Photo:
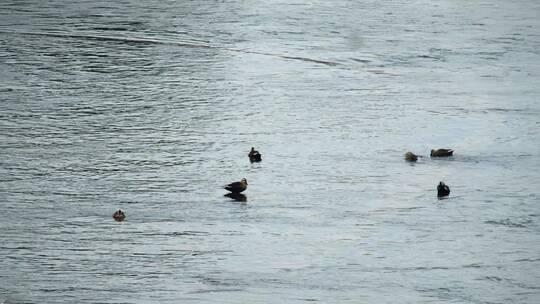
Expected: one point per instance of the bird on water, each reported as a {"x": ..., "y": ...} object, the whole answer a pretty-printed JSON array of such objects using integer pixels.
[
  {"x": 237, "y": 187},
  {"x": 443, "y": 190},
  {"x": 409, "y": 156},
  {"x": 254, "y": 155},
  {"x": 441, "y": 152},
  {"x": 119, "y": 215}
]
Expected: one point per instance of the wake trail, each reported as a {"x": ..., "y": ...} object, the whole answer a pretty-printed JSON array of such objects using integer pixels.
[{"x": 181, "y": 43}]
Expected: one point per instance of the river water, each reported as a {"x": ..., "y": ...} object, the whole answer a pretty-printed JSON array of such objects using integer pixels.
[{"x": 152, "y": 106}]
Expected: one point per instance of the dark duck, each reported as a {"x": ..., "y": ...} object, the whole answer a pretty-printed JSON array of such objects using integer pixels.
[
  {"x": 442, "y": 190},
  {"x": 119, "y": 216},
  {"x": 411, "y": 157},
  {"x": 254, "y": 155},
  {"x": 237, "y": 187},
  {"x": 441, "y": 152}
]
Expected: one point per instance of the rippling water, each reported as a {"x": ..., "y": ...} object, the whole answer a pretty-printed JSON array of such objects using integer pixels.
[{"x": 151, "y": 106}]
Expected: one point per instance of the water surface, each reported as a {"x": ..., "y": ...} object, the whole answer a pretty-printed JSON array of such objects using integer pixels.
[{"x": 152, "y": 106}]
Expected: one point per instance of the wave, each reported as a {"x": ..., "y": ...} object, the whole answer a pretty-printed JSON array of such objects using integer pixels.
[{"x": 181, "y": 43}]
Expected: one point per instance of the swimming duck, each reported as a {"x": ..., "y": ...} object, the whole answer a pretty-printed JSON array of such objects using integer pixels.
[
  {"x": 441, "y": 152},
  {"x": 442, "y": 190},
  {"x": 254, "y": 155},
  {"x": 119, "y": 216},
  {"x": 409, "y": 156},
  {"x": 237, "y": 187}
]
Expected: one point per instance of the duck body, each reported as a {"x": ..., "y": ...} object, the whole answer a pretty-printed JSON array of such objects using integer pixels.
[
  {"x": 442, "y": 190},
  {"x": 409, "y": 156},
  {"x": 237, "y": 187},
  {"x": 254, "y": 155},
  {"x": 442, "y": 152},
  {"x": 119, "y": 216}
]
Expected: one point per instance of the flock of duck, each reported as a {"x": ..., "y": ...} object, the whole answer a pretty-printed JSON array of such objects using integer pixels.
[
  {"x": 442, "y": 189},
  {"x": 236, "y": 188}
]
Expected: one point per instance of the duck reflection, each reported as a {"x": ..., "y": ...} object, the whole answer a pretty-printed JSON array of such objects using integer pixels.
[{"x": 239, "y": 197}]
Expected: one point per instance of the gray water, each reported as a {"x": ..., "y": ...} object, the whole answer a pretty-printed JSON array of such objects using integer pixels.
[{"x": 152, "y": 106}]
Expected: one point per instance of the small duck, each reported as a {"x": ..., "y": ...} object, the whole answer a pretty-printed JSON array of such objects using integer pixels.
[
  {"x": 441, "y": 152},
  {"x": 409, "y": 156},
  {"x": 237, "y": 187},
  {"x": 442, "y": 190},
  {"x": 254, "y": 155},
  {"x": 119, "y": 215}
]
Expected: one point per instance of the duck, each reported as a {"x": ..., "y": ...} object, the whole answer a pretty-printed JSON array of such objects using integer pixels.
[
  {"x": 442, "y": 190},
  {"x": 409, "y": 156},
  {"x": 254, "y": 155},
  {"x": 441, "y": 152},
  {"x": 119, "y": 215},
  {"x": 237, "y": 187}
]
